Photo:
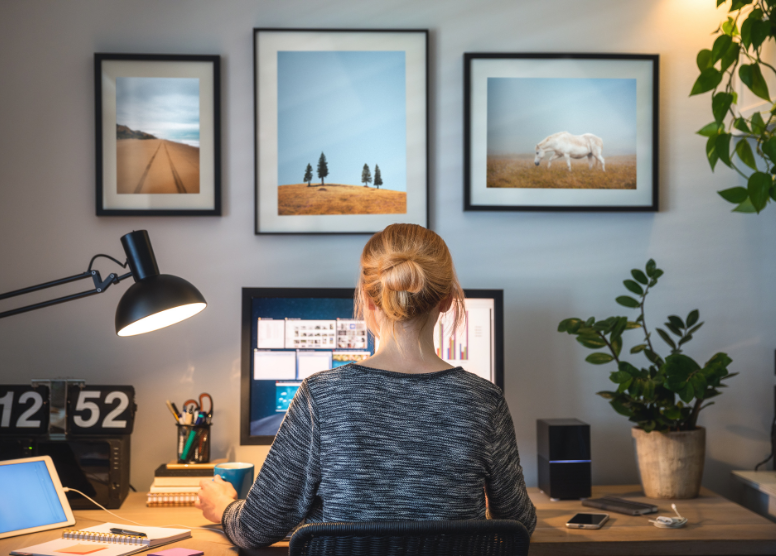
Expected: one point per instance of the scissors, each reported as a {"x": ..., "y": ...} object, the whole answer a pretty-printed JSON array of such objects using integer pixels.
[{"x": 200, "y": 406}]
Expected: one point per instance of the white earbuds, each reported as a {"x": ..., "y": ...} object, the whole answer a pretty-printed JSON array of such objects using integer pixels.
[{"x": 670, "y": 522}]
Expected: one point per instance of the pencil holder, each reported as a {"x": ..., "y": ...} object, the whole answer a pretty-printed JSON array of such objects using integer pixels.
[{"x": 193, "y": 443}]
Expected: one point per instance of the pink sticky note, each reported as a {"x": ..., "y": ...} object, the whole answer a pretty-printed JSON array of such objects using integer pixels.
[
  {"x": 82, "y": 549},
  {"x": 178, "y": 552}
]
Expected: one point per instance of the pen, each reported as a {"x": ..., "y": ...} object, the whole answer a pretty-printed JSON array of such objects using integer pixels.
[
  {"x": 171, "y": 407},
  {"x": 127, "y": 532}
]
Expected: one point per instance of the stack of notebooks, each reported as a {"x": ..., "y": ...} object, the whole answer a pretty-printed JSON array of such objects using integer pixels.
[
  {"x": 178, "y": 484},
  {"x": 100, "y": 541}
]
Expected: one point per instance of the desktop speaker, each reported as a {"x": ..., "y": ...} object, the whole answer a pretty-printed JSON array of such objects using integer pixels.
[{"x": 564, "y": 458}]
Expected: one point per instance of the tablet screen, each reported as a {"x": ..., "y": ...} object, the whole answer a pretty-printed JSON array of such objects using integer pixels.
[{"x": 29, "y": 497}]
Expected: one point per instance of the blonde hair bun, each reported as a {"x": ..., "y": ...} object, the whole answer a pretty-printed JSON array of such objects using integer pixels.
[
  {"x": 400, "y": 272},
  {"x": 407, "y": 271}
]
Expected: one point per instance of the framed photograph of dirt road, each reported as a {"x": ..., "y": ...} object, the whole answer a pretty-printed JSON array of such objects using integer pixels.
[
  {"x": 560, "y": 132},
  {"x": 158, "y": 135},
  {"x": 341, "y": 130}
]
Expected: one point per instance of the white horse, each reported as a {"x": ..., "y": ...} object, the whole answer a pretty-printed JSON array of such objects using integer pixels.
[{"x": 564, "y": 144}]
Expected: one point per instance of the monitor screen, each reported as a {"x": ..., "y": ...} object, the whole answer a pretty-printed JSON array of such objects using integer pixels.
[{"x": 290, "y": 333}]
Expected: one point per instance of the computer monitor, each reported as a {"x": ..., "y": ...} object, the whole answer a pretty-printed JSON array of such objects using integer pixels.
[{"x": 290, "y": 333}]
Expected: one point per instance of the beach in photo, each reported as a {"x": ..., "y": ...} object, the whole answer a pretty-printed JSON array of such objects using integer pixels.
[{"x": 157, "y": 135}]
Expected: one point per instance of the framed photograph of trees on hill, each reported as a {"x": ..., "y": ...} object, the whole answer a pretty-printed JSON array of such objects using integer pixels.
[
  {"x": 560, "y": 132},
  {"x": 341, "y": 130},
  {"x": 158, "y": 135}
]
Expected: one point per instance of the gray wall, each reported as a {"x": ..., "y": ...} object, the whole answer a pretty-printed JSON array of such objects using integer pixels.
[{"x": 551, "y": 266}]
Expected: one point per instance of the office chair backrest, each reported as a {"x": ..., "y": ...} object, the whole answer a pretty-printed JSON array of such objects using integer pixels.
[{"x": 493, "y": 537}]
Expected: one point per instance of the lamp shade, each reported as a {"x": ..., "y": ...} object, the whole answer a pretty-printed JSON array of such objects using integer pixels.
[{"x": 156, "y": 302}]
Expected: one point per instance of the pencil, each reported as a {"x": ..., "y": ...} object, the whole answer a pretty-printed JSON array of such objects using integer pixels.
[{"x": 174, "y": 413}]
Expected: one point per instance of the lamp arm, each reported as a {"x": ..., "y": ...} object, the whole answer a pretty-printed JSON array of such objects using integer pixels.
[{"x": 100, "y": 286}]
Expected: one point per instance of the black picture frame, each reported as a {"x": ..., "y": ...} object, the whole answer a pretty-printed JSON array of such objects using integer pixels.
[
  {"x": 481, "y": 96},
  {"x": 275, "y": 211},
  {"x": 182, "y": 182}
]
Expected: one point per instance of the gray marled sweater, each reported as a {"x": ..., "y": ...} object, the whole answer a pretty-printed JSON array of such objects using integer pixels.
[{"x": 361, "y": 444}]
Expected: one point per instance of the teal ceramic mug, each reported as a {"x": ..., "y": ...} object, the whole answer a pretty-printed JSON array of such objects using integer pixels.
[{"x": 239, "y": 474}]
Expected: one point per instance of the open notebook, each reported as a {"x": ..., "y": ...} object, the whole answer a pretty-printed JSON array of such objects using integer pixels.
[{"x": 98, "y": 541}]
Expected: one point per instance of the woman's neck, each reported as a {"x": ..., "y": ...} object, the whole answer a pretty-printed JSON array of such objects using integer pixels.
[{"x": 408, "y": 348}]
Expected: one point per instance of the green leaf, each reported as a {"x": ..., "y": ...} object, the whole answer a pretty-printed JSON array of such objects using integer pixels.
[
  {"x": 620, "y": 408},
  {"x": 752, "y": 77},
  {"x": 728, "y": 59},
  {"x": 707, "y": 81},
  {"x": 638, "y": 348},
  {"x": 685, "y": 339},
  {"x": 740, "y": 124},
  {"x": 758, "y": 125},
  {"x": 599, "y": 358},
  {"x": 703, "y": 59},
  {"x": 721, "y": 45},
  {"x": 746, "y": 207},
  {"x": 627, "y": 301},
  {"x": 759, "y": 188},
  {"x": 692, "y": 317},
  {"x": 720, "y": 104},
  {"x": 676, "y": 321},
  {"x": 652, "y": 356},
  {"x": 617, "y": 345},
  {"x": 760, "y": 30},
  {"x": 746, "y": 33},
  {"x": 711, "y": 130},
  {"x": 687, "y": 393},
  {"x": 711, "y": 151},
  {"x": 591, "y": 342},
  {"x": 607, "y": 394},
  {"x": 666, "y": 338},
  {"x": 673, "y": 329},
  {"x": 744, "y": 152},
  {"x": 639, "y": 276},
  {"x": 651, "y": 267},
  {"x": 769, "y": 147},
  {"x": 633, "y": 287},
  {"x": 734, "y": 194},
  {"x": 729, "y": 27},
  {"x": 632, "y": 325},
  {"x": 723, "y": 147},
  {"x": 695, "y": 328}
]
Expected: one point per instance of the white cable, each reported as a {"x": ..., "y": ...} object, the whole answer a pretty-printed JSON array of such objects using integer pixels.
[{"x": 67, "y": 489}]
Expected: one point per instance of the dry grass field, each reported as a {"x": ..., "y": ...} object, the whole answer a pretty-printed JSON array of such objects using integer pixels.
[
  {"x": 519, "y": 171},
  {"x": 333, "y": 198},
  {"x": 156, "y": 166}
]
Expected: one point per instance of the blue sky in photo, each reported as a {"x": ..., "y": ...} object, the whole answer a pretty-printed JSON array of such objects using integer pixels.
[
  {"x": 523, "y": 111},
  {"x": 167, "y": 107},
  {"x": 350, "y": 106}
]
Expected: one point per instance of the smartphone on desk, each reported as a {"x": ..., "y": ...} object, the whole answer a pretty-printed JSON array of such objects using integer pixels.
[{"x": 587, "y": 521}]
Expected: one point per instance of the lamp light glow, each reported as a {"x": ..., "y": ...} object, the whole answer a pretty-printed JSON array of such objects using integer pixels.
[{"x": 161, "y": 319}]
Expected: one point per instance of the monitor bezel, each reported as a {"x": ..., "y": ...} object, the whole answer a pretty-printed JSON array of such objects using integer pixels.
[{"x": 246, "y": 439}]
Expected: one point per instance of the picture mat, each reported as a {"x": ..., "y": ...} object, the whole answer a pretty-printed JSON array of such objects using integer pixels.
[
  {"x": 482, "y": 69},
  {"x": 268, "y": 44},
  {"x": 205, "y": 199}
]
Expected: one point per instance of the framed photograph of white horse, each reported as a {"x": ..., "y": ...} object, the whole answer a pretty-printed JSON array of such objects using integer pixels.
[
  {"x": 560, "y": 132},
  {"x": 341, "y": 130},
  {"x": 158, "y": 135}
]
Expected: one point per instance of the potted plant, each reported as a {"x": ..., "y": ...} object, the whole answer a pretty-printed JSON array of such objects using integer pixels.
[
  {"x": 664, "y": 397},
  {"x": 738, "y": 133}
]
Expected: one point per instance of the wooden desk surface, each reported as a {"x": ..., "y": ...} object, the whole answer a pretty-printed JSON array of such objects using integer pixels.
[{"x": 716, "y": 527}]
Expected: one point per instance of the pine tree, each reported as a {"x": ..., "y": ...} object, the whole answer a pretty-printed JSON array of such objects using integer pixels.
[
  {"x": 323, "y": 167},
  {"x": 378, "y": 177},
  {"x": 366, "y": 176},
  {"x": 308, "y": 174}
]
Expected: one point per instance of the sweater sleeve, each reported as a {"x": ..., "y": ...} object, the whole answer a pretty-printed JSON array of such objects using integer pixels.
[
  {"x": 505, "y": 485},
  {"x": 286, "y": 486}
]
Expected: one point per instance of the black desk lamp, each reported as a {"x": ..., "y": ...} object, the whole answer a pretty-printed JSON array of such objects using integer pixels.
[{"x": 154, "y": 301}]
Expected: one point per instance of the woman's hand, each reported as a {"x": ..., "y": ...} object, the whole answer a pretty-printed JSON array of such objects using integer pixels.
[{"x": 215, "y": 496}]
